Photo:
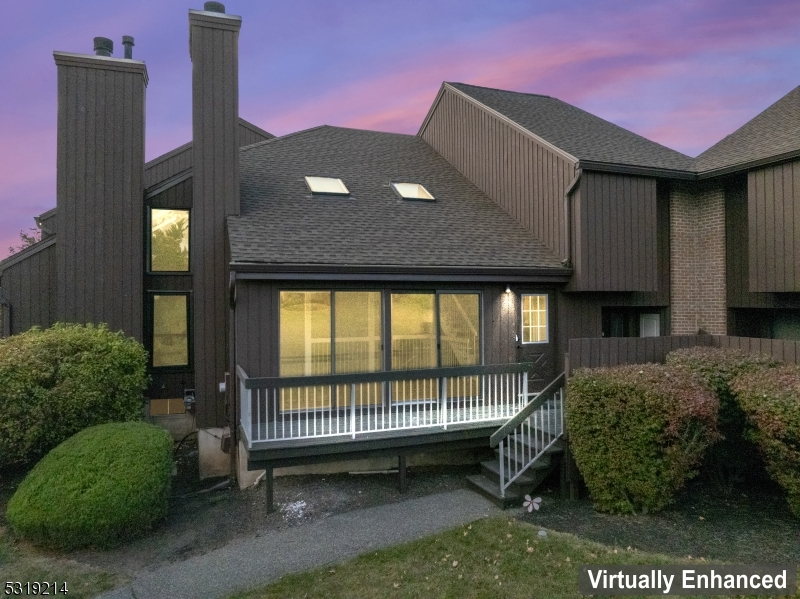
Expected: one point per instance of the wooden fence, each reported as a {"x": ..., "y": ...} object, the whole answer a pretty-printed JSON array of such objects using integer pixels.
[{"x": 614, "y": 351}]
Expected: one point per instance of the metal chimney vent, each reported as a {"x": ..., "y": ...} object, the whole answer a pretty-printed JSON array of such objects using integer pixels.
[
  {"x": 103, "y": 46},
  {"x": 214, "y": 7},
  {"x": 127, "y": 41}
]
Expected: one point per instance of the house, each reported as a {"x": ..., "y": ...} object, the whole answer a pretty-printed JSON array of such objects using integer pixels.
[{"x": 335, "y": 293}]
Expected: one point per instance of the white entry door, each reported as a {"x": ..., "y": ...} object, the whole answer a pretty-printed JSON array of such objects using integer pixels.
[{"x": 649, "y": 325}]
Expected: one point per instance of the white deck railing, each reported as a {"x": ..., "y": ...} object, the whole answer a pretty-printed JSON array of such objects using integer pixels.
[
  {"x": 286, "y": 408},
  {"x": 528, "y": 436}
]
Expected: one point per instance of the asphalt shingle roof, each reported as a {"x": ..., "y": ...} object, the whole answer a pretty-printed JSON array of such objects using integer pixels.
[
  {"x": 577, "y": 132},
  {"x": 774, "y": 132},
  {"x": 282, "y": 223}
]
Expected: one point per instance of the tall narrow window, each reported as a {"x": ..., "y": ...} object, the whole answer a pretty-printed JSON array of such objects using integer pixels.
[
  {"x": 413, "y": 331},
  {"x": 305, "y": 333},
  {"x": 459, "y": 324},
  {"x": 169, "y": 240},
  {"x": 358, "y": 343},
  {"x": 534, "y": 319},
  {"x": 170, "y": 330}
]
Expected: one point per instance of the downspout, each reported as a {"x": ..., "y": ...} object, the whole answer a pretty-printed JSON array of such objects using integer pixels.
[{"x": 567, "y": 261}]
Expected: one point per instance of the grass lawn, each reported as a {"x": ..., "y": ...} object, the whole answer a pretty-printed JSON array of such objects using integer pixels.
[
  {"x": 21, "y": 563},
  {"x": 497, "y": 557}
]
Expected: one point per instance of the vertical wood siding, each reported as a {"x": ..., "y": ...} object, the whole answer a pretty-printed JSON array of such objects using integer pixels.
[
  {"x": 180, "y": 159},
  {"x": 773, "y": 207},
  {"x": 615, "y": 230},
  {"x": 100, "y": 169},
  {"x": 215, "y": 180},
  {"x": 29, "y": 286},
  {"x": 178, "y": 197},
  {"x": 527, "y": 179}
]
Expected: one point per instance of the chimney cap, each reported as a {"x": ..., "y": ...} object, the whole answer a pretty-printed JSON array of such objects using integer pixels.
[
  {"x": 214, "y": 7},
  {"x": 127, "y": 41},
  {"x": 103, "y": 46}
]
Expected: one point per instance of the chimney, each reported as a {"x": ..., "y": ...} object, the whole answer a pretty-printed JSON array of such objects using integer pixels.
[
  {"x": 214, "y": 50},
  {"x": 127, "y": 41},
  {"x": 99, "y": 188},
  {"x": 103, "y": 46}
]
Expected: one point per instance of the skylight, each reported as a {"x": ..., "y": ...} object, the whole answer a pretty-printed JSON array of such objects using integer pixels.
[
  {"x": 412, "y": 191},
  {"x": 328, "y": 185}
]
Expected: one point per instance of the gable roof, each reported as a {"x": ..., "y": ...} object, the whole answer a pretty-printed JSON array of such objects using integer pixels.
[
  {"x": 772, "y": 134},
  {"x": 581, "y": 134},
  {"x": 282, "y": 223}
]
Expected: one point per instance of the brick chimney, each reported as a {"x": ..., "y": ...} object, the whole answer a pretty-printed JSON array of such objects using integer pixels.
[
  {"x": 100, "y": 172},
  {"x": 214, "y": 50}
]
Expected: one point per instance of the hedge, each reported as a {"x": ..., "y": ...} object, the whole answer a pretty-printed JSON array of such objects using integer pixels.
[
  {"x": 771, "y": 400},
  {"x": 638, "y": 433},
  {"x": 106, "y": 484},
  {"x": 734, "y": 457},
  {"x": 57, "y": 381}
]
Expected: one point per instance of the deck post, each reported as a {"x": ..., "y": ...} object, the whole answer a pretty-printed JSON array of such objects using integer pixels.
[
  {"x": 269, "y": 489},
  {"x": 444, "y": 401},
  {"x": 353, "y": 410},
  {"x": 401, "y": 472}
]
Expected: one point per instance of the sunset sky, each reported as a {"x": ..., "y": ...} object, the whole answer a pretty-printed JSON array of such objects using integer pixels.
[{"x": 683, "y": 73}]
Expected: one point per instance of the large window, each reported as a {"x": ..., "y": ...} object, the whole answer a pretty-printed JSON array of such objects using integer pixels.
[
  {"x": 170, "y": 330},
  {"x": 534, "y": 319},
  {"x": 309, "y": 320},
  {"x": 169, "y": 240}
]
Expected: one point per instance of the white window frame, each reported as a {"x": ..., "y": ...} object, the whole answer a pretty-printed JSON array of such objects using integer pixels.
[{"x": 546, "y": 318}]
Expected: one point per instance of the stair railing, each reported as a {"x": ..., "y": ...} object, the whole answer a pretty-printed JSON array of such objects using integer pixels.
[{"x": 531, "y": 433}]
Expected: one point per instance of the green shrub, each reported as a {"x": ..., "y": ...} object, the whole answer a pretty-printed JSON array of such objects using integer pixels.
[
  {"x": 57, "y": 381},
  {"x": 104, "y": 485},
  {"x": 734, "y": 457},
  {"x": 638, "y": 433},
  {"x": 771, "y": 400}
]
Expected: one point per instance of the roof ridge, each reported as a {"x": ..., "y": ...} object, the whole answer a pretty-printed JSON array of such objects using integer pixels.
[
  {"x": 505, "y": 91},
  {"x": 280, "y": 138}
]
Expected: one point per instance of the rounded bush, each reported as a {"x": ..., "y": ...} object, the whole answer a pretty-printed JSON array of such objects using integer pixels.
[
  {"x": 106, "y": 484},
  {"x": 638, "y": 433},
  {"x": 58, "y": 381},
  {"x": 771, "y": 400},
  {"x": 734, "y": 458}
]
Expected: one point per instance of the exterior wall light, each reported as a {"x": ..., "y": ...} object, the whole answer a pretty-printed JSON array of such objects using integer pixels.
[{"x": 508, "y": 288}]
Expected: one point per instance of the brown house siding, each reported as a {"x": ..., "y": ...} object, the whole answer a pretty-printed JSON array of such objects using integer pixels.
[
  {"x": 214, "y": 40},
  {"x": 697, "y": 262},
  {"x": 525, "y": 177},
  {"x": 773, "y": 195},
  {"x": 100, "y": 168},
  {"x": 29, "y": 287},
  {"x": 615, "y": 231}
]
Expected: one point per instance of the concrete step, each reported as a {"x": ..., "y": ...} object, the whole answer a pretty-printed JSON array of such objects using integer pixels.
[{"x": 491, "y": 490}]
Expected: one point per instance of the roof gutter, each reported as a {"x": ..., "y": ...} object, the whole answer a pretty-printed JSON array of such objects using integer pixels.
[
  {"x": 328, "y": 272},
  {"x": 567, "y": 261}
]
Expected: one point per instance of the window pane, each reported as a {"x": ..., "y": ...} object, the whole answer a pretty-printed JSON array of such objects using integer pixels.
[
  {"x": 358, "y": 331},
  {"x": 357, "y": 321},
  {"x": 413, "y": 331},
  {"x": 305, "y": 346},
  {"x": 305, "y": 333},
  {"x": 170, "y": 330},
  {"x": 534, "y": 318},
  {"x": 169, "y": 240},
  {"x": 459, "y": 321}
]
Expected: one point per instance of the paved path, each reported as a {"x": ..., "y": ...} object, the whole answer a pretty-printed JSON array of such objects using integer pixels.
[{"x": 246, "y": 563}]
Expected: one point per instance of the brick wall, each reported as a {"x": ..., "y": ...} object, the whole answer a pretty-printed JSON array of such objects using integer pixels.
[{"x": 697, "y": 260}]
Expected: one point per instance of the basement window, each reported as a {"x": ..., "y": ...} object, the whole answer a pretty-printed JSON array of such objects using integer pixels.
[
  {"x": 412, "y": 191},
  {"x": 327, "y": 185}
]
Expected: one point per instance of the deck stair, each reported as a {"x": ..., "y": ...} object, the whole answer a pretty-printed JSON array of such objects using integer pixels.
[{"x": 527, "y": 449}]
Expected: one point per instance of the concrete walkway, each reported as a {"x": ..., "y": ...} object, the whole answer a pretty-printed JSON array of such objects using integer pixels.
[{"x": 247, "y": 563}]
